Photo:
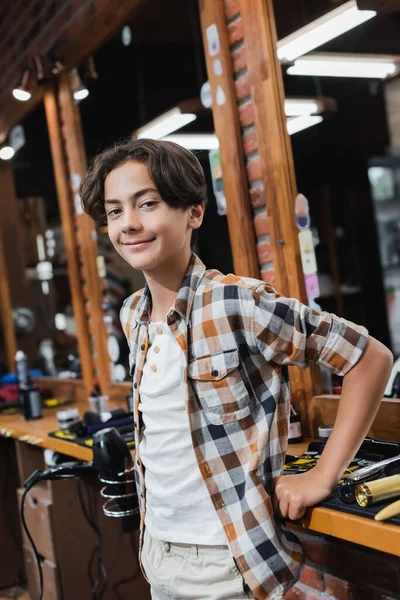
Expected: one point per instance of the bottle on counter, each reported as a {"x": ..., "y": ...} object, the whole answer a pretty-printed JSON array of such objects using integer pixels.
[
  {"x": 98, "y": 403},
  {"x": 295, "y": 429},
  {"x": 29, "y": 394}
]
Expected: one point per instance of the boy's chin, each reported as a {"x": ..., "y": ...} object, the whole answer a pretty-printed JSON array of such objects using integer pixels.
[{"x": 143, "y": 263}]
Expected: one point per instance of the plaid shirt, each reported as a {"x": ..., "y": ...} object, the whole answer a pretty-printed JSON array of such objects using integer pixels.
[{"x": 237, "y": 336}]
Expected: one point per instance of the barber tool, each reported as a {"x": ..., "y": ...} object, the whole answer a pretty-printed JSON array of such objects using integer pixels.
[
  {"x": 98, "y": 402},
  {"x": 67, "y": 417},
  {"x": 95, "y": 418},
  {"x": 324, "y": 431},
  {"x": 29, "y": 394},
  {"x": 378, "y": 490},
  {"x": 372, "y": 469},
  {"x": 388, "y": 512},
  {"x": 112, "y": 462}
]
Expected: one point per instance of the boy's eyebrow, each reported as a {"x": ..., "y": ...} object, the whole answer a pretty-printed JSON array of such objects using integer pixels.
[{"x": 134, "y": 196}]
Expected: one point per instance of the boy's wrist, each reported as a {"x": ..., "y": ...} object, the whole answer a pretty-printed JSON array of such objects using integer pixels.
[{"x": 327, "y": 475}]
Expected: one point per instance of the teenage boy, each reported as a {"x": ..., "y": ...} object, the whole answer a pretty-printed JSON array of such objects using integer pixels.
[{"x": 209, "y": 355}]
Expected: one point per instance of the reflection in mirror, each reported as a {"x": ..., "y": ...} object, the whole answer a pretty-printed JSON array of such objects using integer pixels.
[
  {"x": 44, "y": 256},
  {"x": 145, "y": 71},
  {"x": 346, "y": 167}
]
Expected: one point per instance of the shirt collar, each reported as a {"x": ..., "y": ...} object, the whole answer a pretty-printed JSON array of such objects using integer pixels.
[{"x": 184, "y": 300}]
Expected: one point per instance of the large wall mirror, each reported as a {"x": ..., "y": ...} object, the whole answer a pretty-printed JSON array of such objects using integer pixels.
[
  {"x": 142, "y": 73},
  {"x": 42, "y": 259}
]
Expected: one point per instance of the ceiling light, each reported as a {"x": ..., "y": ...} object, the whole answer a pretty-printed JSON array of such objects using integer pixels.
[
  {"x": 346, "y": 65},
  {"x": 165, "y": 124},
  {"x": 6, "y": 152},
  {"x": 297, "y": 107},
  {"x": 322, "y": 30},
  {"x": 209, "y": 141},
  {"x": 79, "y": 90},
  {"x": 195, "y": 141},
  {"x": 22, "y": 92},
  {"x": 296, "y": 124}
]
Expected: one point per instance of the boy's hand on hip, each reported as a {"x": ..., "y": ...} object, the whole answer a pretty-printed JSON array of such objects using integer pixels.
[{"x": 295, "y": 493}]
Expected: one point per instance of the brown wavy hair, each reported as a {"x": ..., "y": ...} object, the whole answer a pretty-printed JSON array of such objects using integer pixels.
[{"x": 175, "y": 171}]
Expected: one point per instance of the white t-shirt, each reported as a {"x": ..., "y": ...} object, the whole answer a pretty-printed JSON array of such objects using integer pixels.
[{"x": 178, "y": 506}]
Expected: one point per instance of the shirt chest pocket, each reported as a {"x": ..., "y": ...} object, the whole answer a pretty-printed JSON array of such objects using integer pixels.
[{"x": 218, "y": 383}]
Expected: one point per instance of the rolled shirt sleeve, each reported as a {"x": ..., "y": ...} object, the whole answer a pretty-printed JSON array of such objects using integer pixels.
[{"x": 288, "y": 332}]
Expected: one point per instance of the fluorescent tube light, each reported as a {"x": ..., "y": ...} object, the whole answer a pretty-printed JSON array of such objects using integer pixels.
[
  {"x": 6, "y": 152},
  {"x": 322, "y": 30},
  {"x": 195, "y": 141},
  {"x": 297, "y": 107},
  {"x": 297, "y": 124},
  {"x": 165, "y": 124},
  {"x": 345, "y": 65},
  {"x": 209, "y": 141}
]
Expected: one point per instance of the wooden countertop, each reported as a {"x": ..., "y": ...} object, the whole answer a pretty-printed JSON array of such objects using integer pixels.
[
  {"x": 359, "y": 530},
  {"x": 36, "y": 432}
]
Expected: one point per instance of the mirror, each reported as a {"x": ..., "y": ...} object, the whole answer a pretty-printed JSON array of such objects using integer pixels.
[
  {"x": 43, "y": 258},
  {"x": 143, "y": 72}
]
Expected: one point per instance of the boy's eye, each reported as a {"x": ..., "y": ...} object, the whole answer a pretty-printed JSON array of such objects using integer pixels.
[
  {"x": 113, "y": 212},
  {"x": 148, "y": 204}
]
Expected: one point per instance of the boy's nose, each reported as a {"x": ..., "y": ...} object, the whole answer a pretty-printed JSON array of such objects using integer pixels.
[{"x": 131, "y": 221}]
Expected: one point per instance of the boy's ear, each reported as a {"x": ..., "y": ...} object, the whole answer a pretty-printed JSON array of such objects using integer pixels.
[{"x": 196, "y": 215}]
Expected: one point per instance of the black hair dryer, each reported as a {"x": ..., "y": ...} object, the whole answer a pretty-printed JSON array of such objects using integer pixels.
[{"x": 112, "y": 462}]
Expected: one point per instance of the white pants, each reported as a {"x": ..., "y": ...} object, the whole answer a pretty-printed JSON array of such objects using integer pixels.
[{"x": 191, "y": 572}]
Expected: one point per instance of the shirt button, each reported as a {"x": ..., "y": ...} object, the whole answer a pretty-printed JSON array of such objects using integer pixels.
[
  {"x": 135, "y": 386},
  {"x": 156, "y": 349},
  {"x": 214, "y": 373},
  {"x": 153, "y": 368},
  {"x": 142, "y": 347},
  {"x": 159, "y": 331}
]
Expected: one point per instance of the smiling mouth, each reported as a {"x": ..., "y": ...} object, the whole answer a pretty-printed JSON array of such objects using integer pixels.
[{"x": 137, "y": 244}]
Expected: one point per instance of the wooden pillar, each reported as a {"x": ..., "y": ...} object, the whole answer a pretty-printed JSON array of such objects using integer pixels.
[
  {"x": 86, "y": 231},
  {"x": 68, "y": 227},
  {"x": 227, "y": 128},
  {"x": 277, "y": 169},
  {"x": 244, "y": 34},
  {"x": 6, "y": 320}
]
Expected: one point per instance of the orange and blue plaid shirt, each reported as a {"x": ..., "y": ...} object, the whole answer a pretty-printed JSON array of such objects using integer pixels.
[{"x": 237, "y": 337}]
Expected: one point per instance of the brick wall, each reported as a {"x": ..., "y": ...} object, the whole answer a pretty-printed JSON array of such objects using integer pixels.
[
  {"x": 249, "y": 137},
  {"x": 338, "y": 570}
]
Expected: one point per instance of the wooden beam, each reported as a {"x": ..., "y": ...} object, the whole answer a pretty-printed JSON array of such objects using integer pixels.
[
  {"x": 277, "y": 168},
  {"x": 6, "y": 319},
  {"x": 83, "y": 37},
  {"x": 77, "y": 166},
  {"x": 227, "y": 128},
  {"x": 68, "y": 227}
]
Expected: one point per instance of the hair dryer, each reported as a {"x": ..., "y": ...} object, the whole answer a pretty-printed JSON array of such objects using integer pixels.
[{"x": 112, "y": 462}]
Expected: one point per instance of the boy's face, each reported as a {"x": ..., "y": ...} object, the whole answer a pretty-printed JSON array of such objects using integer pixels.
[{"x": 144, "y": 229}]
